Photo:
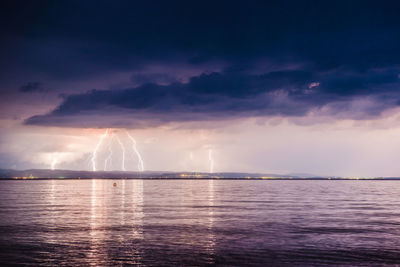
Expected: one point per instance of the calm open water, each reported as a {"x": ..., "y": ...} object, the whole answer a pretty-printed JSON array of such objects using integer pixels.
[{"x": 199, "y": 222}]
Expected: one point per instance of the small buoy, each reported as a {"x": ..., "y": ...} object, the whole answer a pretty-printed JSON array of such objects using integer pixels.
[{"x": 115, "y": 184}]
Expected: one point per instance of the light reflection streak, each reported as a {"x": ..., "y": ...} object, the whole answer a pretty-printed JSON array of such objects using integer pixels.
[
  {"x": 137, "y": 206},
  {"x": 92, "y": 253},
  {"x": 52, "y": 194},
  {"x": 137, "y": 220},
  {"x": 210, "y": 247},
  {"x": 119, "y": 221},
  {"x": 52, "y": 222},
  {"x": 96, "y": 254}
]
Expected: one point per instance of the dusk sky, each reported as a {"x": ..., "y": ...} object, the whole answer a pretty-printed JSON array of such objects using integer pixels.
[{"x": 253, "y": 86}]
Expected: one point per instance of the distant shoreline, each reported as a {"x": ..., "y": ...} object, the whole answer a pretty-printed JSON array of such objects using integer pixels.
[
  {"x": 206, "y": 178},
  {"x": 45, "y": 174}
]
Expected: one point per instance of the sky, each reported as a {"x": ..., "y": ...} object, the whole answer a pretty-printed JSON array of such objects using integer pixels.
[{"x": 280, "y": 87}]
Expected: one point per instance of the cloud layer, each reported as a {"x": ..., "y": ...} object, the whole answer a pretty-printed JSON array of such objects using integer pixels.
[
  {"x": 232, "y": 94},
  {"x": 215, "y": 60}
]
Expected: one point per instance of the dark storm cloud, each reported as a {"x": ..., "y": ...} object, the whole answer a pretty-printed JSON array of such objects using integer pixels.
[
  {"x": 65, "y": 37},
  {"x": 272, "y": 52},
  {"x": 228, "y": 95},
  {"x": 158, "y": 78}
]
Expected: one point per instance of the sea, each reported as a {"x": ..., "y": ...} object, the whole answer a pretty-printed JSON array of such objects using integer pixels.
[{"x": 134, "y": 222}]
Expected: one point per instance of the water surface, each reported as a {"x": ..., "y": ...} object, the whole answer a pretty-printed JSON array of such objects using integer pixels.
[{"x": 199, "y": 222}]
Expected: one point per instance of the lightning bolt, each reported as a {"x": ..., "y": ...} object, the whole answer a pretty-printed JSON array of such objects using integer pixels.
[
  {"x": 53, "y": 163},
  {"x": 96, "y": 149},
  {"x": 123, "y": 153},
  {"x": 211, "y": 160},
  {"x": 140, "y": 163},
  {"x": 109, "y": 158}
]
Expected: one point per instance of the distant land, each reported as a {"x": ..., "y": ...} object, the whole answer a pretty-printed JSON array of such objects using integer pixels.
[{"x": 69, "y": 174}]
